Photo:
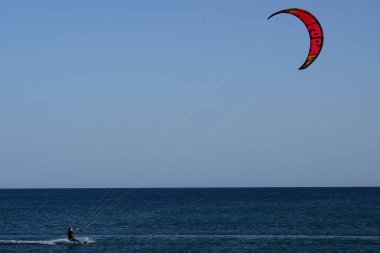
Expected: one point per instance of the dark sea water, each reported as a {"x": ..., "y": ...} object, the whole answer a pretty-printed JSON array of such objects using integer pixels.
[{"x": 192, "y": 220}]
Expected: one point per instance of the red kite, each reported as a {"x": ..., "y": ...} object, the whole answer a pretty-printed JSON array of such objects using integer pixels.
[{"x": 315, "y": 32}]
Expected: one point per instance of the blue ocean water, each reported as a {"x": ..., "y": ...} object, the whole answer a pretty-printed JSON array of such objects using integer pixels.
[{"x": 192, "y": 220}]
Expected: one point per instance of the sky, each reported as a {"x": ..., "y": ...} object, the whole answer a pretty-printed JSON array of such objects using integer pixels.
[{"x": 187, "y": 94}]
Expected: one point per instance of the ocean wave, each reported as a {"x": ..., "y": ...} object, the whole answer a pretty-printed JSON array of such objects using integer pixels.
[{"x": 44, "y": 242}]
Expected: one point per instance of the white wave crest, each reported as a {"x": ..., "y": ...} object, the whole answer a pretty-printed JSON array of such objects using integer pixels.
[{"x": 44, "y": 242}]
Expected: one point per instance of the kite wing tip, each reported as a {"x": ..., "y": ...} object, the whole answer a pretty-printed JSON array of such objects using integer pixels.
[{"x": 272, "y": 15}]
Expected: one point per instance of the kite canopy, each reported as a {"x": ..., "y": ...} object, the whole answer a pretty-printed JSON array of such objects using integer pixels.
[{"x": 315, "y": 32}]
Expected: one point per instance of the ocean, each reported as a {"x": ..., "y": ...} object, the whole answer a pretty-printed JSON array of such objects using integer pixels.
[{"x": 191, "y": 220}]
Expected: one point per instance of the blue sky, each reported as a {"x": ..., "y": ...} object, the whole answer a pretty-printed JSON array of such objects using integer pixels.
[{"x": 187, "y": 94}]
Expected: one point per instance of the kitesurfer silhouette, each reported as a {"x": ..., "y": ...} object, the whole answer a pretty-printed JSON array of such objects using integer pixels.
[{"x": 71, "y": 234}]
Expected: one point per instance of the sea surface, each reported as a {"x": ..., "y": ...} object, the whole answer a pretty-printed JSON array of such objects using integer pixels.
[{"x": 191, "y": 220}]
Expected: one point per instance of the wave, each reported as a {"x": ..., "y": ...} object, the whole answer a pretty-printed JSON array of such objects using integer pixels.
[{"x": 45, "y": 242}]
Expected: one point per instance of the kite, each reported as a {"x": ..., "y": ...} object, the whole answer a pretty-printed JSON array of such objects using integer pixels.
[{"x": 315, "y": 33}]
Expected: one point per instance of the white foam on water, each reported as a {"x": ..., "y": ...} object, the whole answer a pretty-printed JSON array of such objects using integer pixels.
[
  {"x": 87, "y": 239},
  {"x": 42, "y": 242},
  {"x": 45, "y": 242}
]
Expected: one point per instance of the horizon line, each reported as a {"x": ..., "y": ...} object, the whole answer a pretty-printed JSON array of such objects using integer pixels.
[{"x": 206, "y": 187}]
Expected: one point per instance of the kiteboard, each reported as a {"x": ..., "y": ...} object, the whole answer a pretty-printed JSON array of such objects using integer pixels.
[{"x": 80, "y": 241}]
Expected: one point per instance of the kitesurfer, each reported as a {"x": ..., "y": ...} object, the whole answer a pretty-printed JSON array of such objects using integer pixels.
[{"x": 71, "y": 234}]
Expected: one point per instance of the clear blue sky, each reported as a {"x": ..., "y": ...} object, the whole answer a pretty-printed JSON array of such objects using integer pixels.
[{"x": 187, "y": 94}]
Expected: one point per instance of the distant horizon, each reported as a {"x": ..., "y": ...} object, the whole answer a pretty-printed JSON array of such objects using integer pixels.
[{"x": 236, "y": 187}]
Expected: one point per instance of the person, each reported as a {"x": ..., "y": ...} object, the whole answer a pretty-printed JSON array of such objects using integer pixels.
[{"x": 71, "y": 235}]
